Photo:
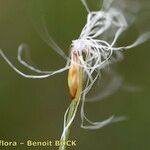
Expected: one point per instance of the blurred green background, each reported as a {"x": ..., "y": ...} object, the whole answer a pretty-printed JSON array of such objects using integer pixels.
[{"x": 34, "y": 109}]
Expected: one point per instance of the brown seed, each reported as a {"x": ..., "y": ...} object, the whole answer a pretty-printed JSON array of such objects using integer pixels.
[{"x": 73, "y": 79}]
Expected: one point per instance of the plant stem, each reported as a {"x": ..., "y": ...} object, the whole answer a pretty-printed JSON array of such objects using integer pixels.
[{"x": 73, "y": 107}]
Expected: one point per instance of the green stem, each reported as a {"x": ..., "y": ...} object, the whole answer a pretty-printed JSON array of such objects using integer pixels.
[{"x": 73, "y": 106}]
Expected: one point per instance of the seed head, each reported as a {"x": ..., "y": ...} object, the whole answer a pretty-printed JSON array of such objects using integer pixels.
[{"x": 73, "y": 76}]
